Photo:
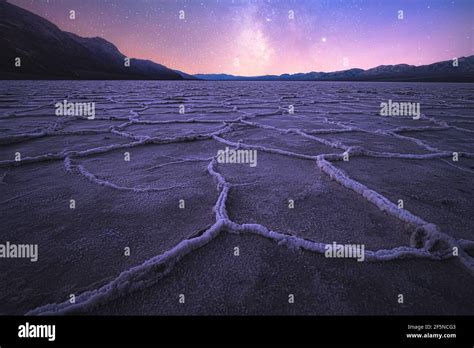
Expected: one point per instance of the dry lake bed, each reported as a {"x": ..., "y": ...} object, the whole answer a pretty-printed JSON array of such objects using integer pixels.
[{"x": 235, "y": 198}]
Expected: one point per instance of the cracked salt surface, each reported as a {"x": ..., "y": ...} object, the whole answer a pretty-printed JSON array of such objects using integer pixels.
[{"x": 173, "y": 157}]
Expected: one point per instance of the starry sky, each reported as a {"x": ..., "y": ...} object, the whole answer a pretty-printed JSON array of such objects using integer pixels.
[{"x": 258, "y": 37}]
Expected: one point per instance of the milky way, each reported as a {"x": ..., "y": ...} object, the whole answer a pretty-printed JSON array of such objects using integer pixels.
[{"x": 271, "y": 37}]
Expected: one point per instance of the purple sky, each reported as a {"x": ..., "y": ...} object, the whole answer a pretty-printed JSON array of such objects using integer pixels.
[{"x": 244, "y": 37}]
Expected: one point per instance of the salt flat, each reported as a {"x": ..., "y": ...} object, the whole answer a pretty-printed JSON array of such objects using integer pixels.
[{"x": 155, "y": 216}]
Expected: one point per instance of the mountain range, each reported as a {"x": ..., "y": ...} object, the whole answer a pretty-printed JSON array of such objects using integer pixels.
[
  {"x": 47, "y": 52},
  {"x": 442, "y": 71}
]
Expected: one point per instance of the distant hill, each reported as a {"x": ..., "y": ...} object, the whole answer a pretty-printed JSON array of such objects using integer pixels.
[
  {"x": 441, "y": 71},
  {"x": 222, "y": 77},
  {"x": 47, "y": 52},
  {"x": 186, "y": 76}
]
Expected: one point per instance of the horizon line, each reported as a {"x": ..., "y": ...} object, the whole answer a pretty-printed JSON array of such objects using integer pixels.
[{"x": 326, "y": 72}]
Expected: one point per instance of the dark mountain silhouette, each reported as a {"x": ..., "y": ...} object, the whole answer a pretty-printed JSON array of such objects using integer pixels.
[
  {"x": 48, "y": 52},
  {"x": 441, "y": 71},
  {"x": 186, "y": 76}
]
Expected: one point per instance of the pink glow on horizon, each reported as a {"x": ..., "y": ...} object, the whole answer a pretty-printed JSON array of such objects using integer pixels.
[{"x": 247, "y": 37}]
